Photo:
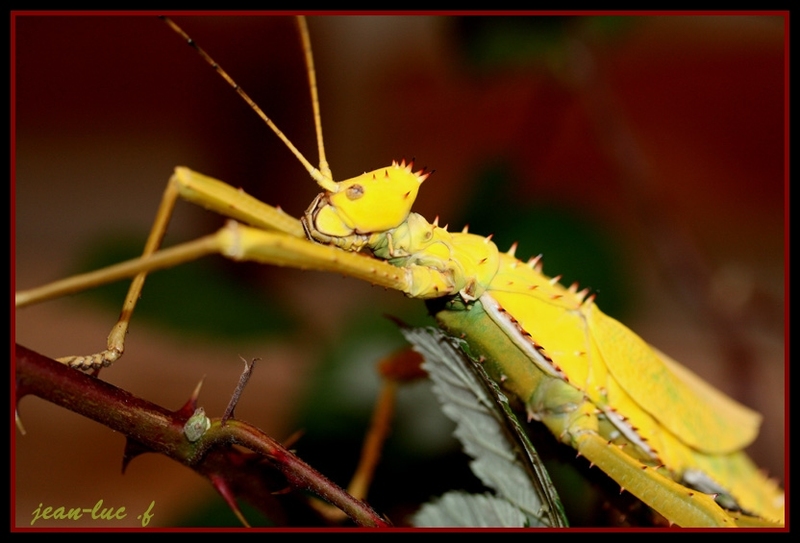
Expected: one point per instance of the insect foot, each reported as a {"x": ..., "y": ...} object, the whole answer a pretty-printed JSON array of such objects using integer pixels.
[
  {"x": 114, "y": 348},
  {"x": 93, "y": 361}
]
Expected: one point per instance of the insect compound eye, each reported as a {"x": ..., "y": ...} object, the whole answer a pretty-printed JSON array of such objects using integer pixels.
[{"x": 354, "y": 192}]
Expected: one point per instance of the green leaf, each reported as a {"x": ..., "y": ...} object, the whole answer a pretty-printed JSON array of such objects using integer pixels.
[
  {"x": 504, "y": 458},
  {"x": 475, "y": 510}
]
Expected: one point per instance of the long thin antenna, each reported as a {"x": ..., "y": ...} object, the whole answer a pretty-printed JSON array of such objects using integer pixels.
[
  {"x": 324, "y": 180},
  {"x": 305, "y": 37}
]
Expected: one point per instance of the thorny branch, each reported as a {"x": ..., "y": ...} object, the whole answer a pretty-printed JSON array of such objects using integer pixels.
[{"x": 152, "y": 428}]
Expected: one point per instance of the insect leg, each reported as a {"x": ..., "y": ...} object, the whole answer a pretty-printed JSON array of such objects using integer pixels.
[
  {"x": 282, "y": 246},
  {"x": 188, "y": 185},
  {"x": 575, "y": 421}
]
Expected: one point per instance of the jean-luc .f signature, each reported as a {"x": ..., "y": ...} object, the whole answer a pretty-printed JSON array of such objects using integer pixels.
[{"x": 98, "y": 512}]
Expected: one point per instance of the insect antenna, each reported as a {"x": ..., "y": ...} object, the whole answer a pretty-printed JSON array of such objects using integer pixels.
[
  {"x": 322, "y": 175},
  {"x": 305, "y": 38}
]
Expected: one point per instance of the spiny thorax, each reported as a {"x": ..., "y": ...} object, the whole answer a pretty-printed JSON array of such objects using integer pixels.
[{"x": 469, "y": 261}]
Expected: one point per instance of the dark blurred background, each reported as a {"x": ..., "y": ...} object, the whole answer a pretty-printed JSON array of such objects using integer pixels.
[{"x": 643, "y": 156}]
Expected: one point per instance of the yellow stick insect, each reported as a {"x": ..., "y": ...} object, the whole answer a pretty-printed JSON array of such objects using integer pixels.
[{"x": 551, "y": 347}]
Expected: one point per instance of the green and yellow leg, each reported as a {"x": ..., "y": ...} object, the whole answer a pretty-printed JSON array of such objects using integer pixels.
[
  {"x": 578, "y": 428},
  {"x": 278, "y": 240}
]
